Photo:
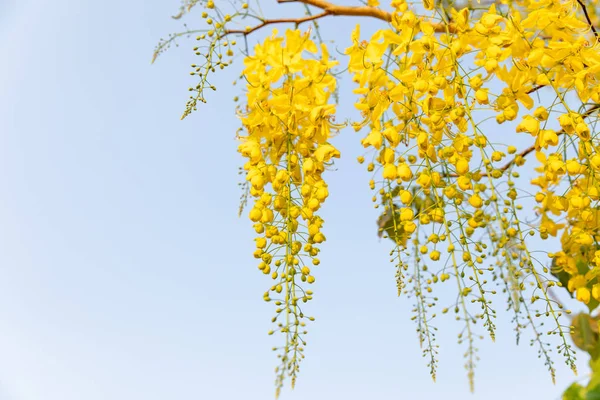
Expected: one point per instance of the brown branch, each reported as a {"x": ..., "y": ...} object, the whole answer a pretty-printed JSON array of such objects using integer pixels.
[
  {"x": 357, "y": 11},
  {"x": 265, "y": 22},
  {"x": 535, "y": 89},
  {"x": 531, "y": 148},
  {"x": 589, "y": 20}
]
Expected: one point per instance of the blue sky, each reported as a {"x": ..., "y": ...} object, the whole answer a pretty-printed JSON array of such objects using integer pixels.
[{"x": 125, "y": 272}]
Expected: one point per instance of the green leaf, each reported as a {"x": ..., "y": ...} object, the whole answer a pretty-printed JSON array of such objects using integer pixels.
[
  {"x": 585, "y": 333},
  {"x": 574, "y": 392},
  {"x": 582, "y": 266},
  {"x": 595, "y": 380},
  {"x": 390, "y": 224},
  {"x": 593, "y": 394},
  {"x": 592, "y": 304}
]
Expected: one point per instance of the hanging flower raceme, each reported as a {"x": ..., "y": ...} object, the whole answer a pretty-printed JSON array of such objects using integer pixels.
[
  {"x": 437, "y": 94},
  {"x": 288, "y": 124},
  {"x": 438, "y": 171},
  {"x": 411, "y": 102}
]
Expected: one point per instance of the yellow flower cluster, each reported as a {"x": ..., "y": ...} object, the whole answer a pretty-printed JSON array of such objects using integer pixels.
[
  {"x": 447, "y": 178},
  {"x": 439, "y": 171},
  {"x": 569, "y": 153},
  {"x": 289, "y": 122}
]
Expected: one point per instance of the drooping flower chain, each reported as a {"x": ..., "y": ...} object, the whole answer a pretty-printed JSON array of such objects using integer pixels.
[
  {"x": 448, "y": 185},
  {"x": 448, "y": 182},
  {"x": 288, "y": 124}
]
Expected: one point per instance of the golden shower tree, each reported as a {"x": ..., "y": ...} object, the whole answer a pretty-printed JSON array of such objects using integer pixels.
[{"x": 442, "y": 88}]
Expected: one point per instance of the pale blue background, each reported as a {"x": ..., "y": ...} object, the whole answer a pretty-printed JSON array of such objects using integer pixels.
[{"x": 124, "y": 270}]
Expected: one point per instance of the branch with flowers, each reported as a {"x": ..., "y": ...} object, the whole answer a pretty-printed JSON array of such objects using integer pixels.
[{"x": 439, "y": 88}]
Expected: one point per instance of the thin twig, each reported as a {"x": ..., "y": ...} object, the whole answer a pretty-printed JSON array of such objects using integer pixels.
[
  {"x": 589, "y": 20},
  {"x": 535, "y": 89},
  {"x": 532, "y": 147},
  {"x": 360, "y": 11},
  {"x": 265, "y": 22}
]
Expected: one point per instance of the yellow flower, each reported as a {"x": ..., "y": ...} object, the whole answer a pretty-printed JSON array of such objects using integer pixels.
[
  {"x": 596, "y": 291},
  {"x": 462, "y": 166},
  {"x": 406, "y": 214},
  {"x": 409, "y": 227},
  {"x": 464, "y": 183},
  {"x": 404, "y": 172},
  {"x": 541, "y": 113},
  {"x": 529, "y": 125},
  {"x": 405, "y": 197},
  {"x": 481, "y": 96},
  {"x": 325, "y": 152},
  {"x": 374, "y": 138},
  {"x": 424, "y": 180},
  {"x": 546, "y": 137},
  {"x": 583, "y": 131},
  {"x": 583, "y": 295},
  {"x": 390, "y": 171},
  {"x": 437, "y": 215},
  {"x": 255, "y": 215},
  {"x": 475, "y": 201},
  {"x": 576, "y": 282}
]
